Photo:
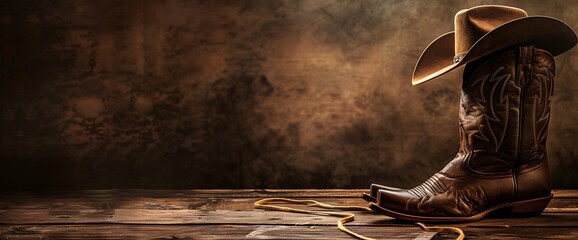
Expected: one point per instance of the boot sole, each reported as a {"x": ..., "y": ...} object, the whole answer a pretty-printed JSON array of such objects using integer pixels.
[{"x": 519, "y": 208}]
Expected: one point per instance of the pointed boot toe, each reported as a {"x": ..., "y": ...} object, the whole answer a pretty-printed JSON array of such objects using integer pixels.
[
  {"x": 374, "y": 188},
  {"x": 391, "y": 201}
]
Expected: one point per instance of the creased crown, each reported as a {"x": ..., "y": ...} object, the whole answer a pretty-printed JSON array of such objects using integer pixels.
[{"x": 473, "y": 23}]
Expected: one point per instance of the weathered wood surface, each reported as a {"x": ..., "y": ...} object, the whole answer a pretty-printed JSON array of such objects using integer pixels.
[
  {"x": 265, "y": 232},
  {"x": 229, "y": 214}
]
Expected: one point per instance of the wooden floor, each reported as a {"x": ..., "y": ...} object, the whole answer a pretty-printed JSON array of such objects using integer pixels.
[{"x": 229, "y": 214}]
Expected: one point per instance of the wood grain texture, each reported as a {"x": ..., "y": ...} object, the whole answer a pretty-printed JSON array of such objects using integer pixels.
[
  {"x": 200, "y": 232},
  {"x": 229, "y": 214},
  {"x": 210, "y": 232}
]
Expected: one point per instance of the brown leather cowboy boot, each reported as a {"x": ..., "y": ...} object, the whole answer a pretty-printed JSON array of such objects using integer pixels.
[
  {"x": 502, "y": 162},
  {"x": 480, "y": 31}
]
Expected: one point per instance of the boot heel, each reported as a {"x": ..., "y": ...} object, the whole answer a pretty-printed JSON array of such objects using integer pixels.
[{"x": 530, "y": 207}]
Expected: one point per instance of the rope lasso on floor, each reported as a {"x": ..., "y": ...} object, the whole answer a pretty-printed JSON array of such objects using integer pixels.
[{"x": 344, "y": 217}]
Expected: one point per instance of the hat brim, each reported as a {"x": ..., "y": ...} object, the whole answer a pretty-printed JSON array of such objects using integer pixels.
[{"x": 543, "y": 32}]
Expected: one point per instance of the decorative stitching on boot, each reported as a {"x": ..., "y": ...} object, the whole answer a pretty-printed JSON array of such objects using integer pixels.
[
  {"x": 432, "y": 186},
  {"x": 491, "y": 116}
]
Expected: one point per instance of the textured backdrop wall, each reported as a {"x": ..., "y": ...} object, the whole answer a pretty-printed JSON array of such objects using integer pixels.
[{"x": 239, "y": 94}]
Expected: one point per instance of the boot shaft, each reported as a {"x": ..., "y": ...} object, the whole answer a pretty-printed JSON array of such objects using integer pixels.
[{"x": 505, "y": 110}]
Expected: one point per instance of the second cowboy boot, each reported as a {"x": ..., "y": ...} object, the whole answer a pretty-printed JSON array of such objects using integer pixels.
[{"x": 502, "y": 163}]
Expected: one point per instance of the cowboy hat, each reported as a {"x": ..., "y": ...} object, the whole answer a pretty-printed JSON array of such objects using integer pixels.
[{"x": 482, "y": 30}]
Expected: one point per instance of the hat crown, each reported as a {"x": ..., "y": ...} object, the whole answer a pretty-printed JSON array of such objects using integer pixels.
[{"x": 473, "y": 23}]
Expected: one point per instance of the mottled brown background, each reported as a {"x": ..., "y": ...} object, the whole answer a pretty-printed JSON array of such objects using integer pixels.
[{"x": 239, "y": 94}]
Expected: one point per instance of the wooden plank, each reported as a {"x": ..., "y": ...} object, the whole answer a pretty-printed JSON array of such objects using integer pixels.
[
  {"x": 565, "y": 193},
  {"x": 222, "y": 193},
  {"x": 196, "y": 193},
  {"x": 119, "y": 231},
  {"x": 145, "y": 216},
  {"x": 210, "y": 232},
  {"x": 150, "y": 203},
  {"x": 179, "y": 203},
  {"x": 117, "y": 207}
]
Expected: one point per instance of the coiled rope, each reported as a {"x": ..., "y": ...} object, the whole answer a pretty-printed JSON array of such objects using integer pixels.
[{"x": 344, "y": 217}]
